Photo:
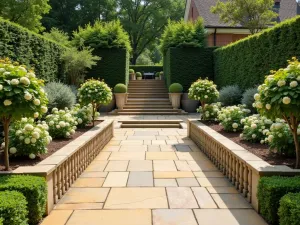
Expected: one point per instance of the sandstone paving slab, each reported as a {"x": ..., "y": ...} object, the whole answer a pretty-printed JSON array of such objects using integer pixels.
[
  {"x": 204, "y": 199},
  {"x": 93, "y": 174},
  {"x": 145, "y": 133},
  {"x": 203, "y": 165},
  {"x": 183, "y": 148},
  {"x": 177, "y": 174},
  {"x": 113, "y": 143},
  {"x": 162, "y": 138},
  {"x": 182, "y": 165},
  {"x": 228, "y": 217},
  {"x": 57, "y": 217},
  {"x": 129, "y": 142},
  {"x": 208, "y": 174},
  {"x": 140, "y": 179},
  {"x": 231, "y": 201},
  {"x": 167, "y": 148},
  {"x": 137, "y": 198},
  {"x": 187, "y": 182},
  {"x": 173, "y": 217},
  {"x": 119, "y": 138},
  {"x": 117, "y": 166},
  {"x": 88, "y": 182},
  {"x": 181, "y": 198},
  {"x": 214, "y": 182},
  {"x": 96, "y": 166},
  {"x": 159, "y": 142},
  {"x": 133, "y": 148},
  {"x": 165, "y": 183},
  {"x": 164, "y": 165},
  {"x": 171, "y": 142},
  {"x": 222, "y": 190},
  {"x": 140, "y": 165},
  {"x": 147, "y": 142},
  {"x": 110, "y": 217},
  {"x": 141, "y": 138},
  {"x": 111, "y": 148},
  {"x": 84, "y": 195},
  {"x": 191, "y": 156},
  {"x": 161, "y": 156},
  {"x": 127, "y": 156},
  {"x": 116, "y": 179},
  {"x": 78, "y": 206},
  {"x": 152, "y": 148}
]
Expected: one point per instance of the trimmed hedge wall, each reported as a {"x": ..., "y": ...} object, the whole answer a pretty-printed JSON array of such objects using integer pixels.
[
  {"x": 248, "y": 61},
  {"x": 33, "y": 188},
  {"x": 113, "y": 66},
  {"x": 289, "y": 210},
  {"x": 146, "y": 69},
  {"x": 186, "y": 65},
  {"x": 31, "y": 49},
  {"x": 270, "y": 191},
  {"x": 13, "y": 208}
]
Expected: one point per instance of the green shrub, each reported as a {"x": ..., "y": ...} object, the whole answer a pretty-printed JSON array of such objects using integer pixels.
[
  {"x": 13, "y": 208},
  {"x": 33, "y": 188},
  {"x": 157, "y": 74},
  {"x": 270, "y": 191},
  {"x": 31, "y": 49},
  {"x": 289, "y": 210},
  {"x": 248, "y": 98},
  {"x": 83, "y": 115},
  {"x": 210, "y": 111},
  {"x": 230, "y": 95},
  {"x": 175, "y": 88},
  {"x": 131, "y": 71},
  {"x": 60, "y": 95},
  {"x": 138, "y": 74},
  {"x": 248, "y": 61},
  {"x": 120, "y": 88}
]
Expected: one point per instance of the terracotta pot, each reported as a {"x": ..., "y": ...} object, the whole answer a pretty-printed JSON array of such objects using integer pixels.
[
  {"x": 132, "y": 76},
  {"x": 175, "y": 99},
  {"x": 121, "y": 99},
  {"x": 189, "y": 105},
  {"x": 139, "y": 78}
]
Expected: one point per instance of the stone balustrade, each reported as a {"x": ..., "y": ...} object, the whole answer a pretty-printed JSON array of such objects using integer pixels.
[
  {"x": 63, "y": 167},
  {"x": 241, "y": 167}
]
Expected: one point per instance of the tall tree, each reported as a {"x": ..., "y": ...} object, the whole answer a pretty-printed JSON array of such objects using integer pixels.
[
  {"x": 144, "y": 20},
  {"x": 27, "y": 13},
  {"x": 253, "y": 14}
]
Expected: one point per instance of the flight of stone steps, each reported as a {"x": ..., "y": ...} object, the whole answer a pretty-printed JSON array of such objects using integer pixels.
[{"x": 148, "y": 97}]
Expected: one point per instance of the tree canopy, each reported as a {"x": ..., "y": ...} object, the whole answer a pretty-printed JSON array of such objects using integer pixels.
[{"x": 253, "y": 14}]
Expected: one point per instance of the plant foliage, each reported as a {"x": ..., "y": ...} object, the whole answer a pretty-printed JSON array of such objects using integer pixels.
[
  {"x": 289, "y": 209},
  {"x": 230, "y": 95}
]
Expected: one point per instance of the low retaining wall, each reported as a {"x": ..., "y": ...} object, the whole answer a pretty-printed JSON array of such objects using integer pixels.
[
  {"x": 241, "y": 167},
  {"x": 63, "y": 167}
]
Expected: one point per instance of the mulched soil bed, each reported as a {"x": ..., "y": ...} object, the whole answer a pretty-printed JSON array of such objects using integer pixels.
[
  {"x": 262, "y": 151},
  {"x": 53, "y": 147}
]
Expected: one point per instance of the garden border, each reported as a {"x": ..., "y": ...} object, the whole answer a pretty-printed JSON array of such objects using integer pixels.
[
  {"x": 240, "y": 166},
  {"x": 63, "y": 168}
]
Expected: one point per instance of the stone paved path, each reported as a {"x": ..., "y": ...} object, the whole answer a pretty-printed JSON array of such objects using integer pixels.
[{"x": 152, "y": 177}]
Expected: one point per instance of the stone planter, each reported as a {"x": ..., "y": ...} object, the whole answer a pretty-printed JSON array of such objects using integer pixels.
[
  {"x": 161, "y": 77},
  {"x": 175, "y": 99},
  {"x": 139, "y": 78},
  {"x": 108, "y": 108},
  {"x": 189, "y": 105},
  {"x": 120, "y": 100},
  {"x": 132, "y": 76}
]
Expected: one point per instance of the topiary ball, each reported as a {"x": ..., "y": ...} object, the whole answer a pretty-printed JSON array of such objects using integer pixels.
[
  {"x": 120, "y": 88},
  {"x": 175, "y": 88},
  {"x": 157, "y": 74},
  {"x": 138, "y": 74},
  {"x": 131, "y": 71},
  {"x": 230, "y": 95}
]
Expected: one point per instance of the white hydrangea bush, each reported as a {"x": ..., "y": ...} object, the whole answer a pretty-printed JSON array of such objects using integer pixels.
[
  {"x": 83, "y": 115},
  {"x": 28, "y": 138},
  {"x": 210, "y": 111},
  {"x": 62, "y": 124},
  {"x": 230, "y": 117},
  {"x": 256, "y": 128}
]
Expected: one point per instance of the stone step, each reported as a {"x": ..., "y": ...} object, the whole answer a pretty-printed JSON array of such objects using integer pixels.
[
  {"x": 148, "y": 106},
  {"x": 148, "y": 113},
  {"x": 148, "y": 95},
  {"x": 148, "y": 89},
  {"x": 151, "y": 125},
  {"x": 148, "y": 100},
  {"x": 150, "y": 121},
  {"x": 149, "y": 110}
]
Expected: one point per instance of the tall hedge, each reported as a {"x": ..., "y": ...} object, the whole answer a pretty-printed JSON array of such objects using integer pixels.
[
  {"x": 248, "y": 61},
  {"x": 31, "y": 49},
  {"x": 113, "y": 66},
  {"x": 146, "y": 69},
  {"x": 186, "y": 65}
]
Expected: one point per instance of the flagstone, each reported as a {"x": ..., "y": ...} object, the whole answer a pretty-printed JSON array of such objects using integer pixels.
[
  {"x": 79, "y": 206},
  {"x": 117, "y": 166},
  {"x": 57, "y": 217},
  {"x": 111, "y": 148},
  {"x": 203, "y": 165},
  {"x": 165, "y": 183},
  {"x": 159, "y": 142},
  {"x": 173, "y": 217},
  {"x": 187, "y": 182},
  {"x": 129, "y": 142},
  {"x": 164, "y": 165},
  {"x": 153, "y": 148},
  {"x": 140, "y": 165},
  {"x": 140, "y": 179},
  {"x": 96, "y": 166},
  {"x": 116, "y": 179},
  {"x": 230, "y": 201},
  {"x": 182, "y": 165},
  {"x": 222, "y": 190},
  {"x": 181, "y": 198},
  {"x": 208, "y": 174},
  {"x": 177, "y": 174},
  {"x": 183, "y": 148},
  {"x": 192, "y": 156},
  {"x": 93, "y": 174},
  {"x": 161, "y": 156},
  {"x": 127, "y": 156},
  {"x": 141, "y": 137},
  {"x": 133, "y": 148},
  {"x": 84, "y": 195},
  {"x": 214, "y": 182},
  {"x": 204, "y": 199},
  {"x": 88, "y": 182}
]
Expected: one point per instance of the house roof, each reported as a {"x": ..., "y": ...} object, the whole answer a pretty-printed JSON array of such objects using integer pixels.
[{"x": 288, "y": 9}]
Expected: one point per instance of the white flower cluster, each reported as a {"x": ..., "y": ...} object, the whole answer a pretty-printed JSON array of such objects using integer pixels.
[
  {"x": 256, "y": 128},
  {"x": 204, "y": 91},
  {"x": 61, "y": 123},
  {"x": 28, "y": 138},
  {"x": 230, "y": 117},
  {"x": 210, "y": 111},
  {"x": 83, "y": 115}
]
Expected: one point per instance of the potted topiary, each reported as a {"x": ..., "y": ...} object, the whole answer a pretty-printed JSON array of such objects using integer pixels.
[
  {"x": 161, "y": 75},
  {"x": 138, "y": 76},
  {"x": 157, "y": 76},
  {"x": 132, "y": 74},
  {"x": 120, "y": 91},
  {"x": 175, "y": 92}
]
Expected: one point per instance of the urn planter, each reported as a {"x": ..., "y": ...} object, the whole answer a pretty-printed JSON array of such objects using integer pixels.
[
  {"x": 139, "y": 78},
  {"x": 175, "y": 100},
  {"x": 189, "y": 105},
  {"x": 121, "y": 99},
  {"x": 132, "y": 76}
]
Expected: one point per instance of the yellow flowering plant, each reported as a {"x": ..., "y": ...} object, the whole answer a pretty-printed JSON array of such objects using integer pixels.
[
  {"x": 21, "y": 95},
  {"x": 279, "y": 97}
]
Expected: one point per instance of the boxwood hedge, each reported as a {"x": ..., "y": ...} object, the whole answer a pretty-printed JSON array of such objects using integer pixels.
[
  {"x": 31, "y": 49},
  {"x": 289, "y": 210},
  {"x": 33, "y": 188},
  {"x": 13, "y": 208},
  {"x": 248, "y": 61},
  {"x": 270, "y": 191}
]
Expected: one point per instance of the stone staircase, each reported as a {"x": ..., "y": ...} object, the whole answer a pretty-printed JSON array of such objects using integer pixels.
[{"x": 148, "y": 97}]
